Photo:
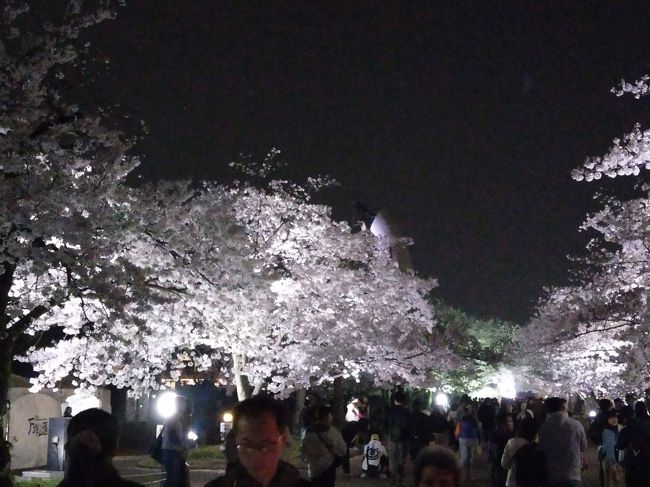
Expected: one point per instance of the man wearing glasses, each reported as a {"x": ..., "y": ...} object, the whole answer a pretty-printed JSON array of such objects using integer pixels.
[{"x": 261, "y": 434}]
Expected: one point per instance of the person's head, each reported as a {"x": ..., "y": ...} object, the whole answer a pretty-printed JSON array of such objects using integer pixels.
[
  {"x": 374, "y": 437},
  {"x": 92, "y": 432},
  {"x": 399, "y": 397},
  {"x": 640, "y": 409},
  {"x": 68, "y": 412},
  {"x": 554, "y": 404},
  {"x": 523, "y": 405},
  {"x": 618, "y": 403},
  {"x": 92, "y": 442},
  {"x": 605, "y": 404},
  {"x": 324, "y": 415},
  {"x": 437, "y": 467},
  {"x": 612, "y": 419},
  {"x": 505, "y": 423},
  {"x": 626, "y": 415},
  {"x": 527, "y": 429},
  {"x": 418, "y": 404},
  {"x": 260, "y": 431},
  {"x": 183, "y": 407}
]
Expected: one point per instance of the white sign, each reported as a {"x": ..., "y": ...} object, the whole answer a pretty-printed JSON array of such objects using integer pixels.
[{"x": 28, "y": 429}]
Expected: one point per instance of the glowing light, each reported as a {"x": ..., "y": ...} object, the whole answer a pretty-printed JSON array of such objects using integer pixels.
[
  {"x": 191, "y": 435},
  {"x": 592, "y": 414},
  {"x": 166, "y": 405},
  {"x": 506, "y": 385},
  {"x": 227, "y": 417},
  {"x": 442, "y": 400}
]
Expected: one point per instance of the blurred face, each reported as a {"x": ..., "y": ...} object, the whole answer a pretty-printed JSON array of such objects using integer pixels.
[
  {"x": 436, "y": 477},
  {"x": 613, "y": 420},
  {"x": 260, "y": 445}
]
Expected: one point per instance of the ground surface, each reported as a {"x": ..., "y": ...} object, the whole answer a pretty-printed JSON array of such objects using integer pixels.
[{"x": 128, "y": 466}]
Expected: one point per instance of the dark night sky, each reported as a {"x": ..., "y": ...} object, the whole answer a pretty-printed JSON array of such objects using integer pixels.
[{"x": 463, "y": 118}]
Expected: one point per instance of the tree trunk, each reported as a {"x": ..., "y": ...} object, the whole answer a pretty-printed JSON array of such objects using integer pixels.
[
  {"x": 6, "y": 351},
  {"x": 300, "y": 396},
  {"x": 7, "y": 342},
  {"x": 241, "y": 381},
  {"x": 338, "y": 406},
  {"x": 258, "y": 387}
]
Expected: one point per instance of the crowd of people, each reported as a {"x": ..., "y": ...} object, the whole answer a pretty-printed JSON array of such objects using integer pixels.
[{"x": 528, "y": 443}]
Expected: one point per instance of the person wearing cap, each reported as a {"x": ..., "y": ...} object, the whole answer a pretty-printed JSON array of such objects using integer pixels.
[
  {"x": 374, "y": 457},
  {"x": 92, "y": 441}
]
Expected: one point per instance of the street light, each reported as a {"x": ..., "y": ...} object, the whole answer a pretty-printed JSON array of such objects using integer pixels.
[
  {"x": 225, "y": 425},
  {"x": 166, "y": 404},
  {"x": 442, "y": 400}
]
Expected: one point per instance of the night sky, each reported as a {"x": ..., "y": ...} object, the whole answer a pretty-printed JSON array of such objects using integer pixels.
[{"x": 464, "y": 119}]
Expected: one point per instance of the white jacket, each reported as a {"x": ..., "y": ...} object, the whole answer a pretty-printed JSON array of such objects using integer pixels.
[{"x": 372, "y": 454}]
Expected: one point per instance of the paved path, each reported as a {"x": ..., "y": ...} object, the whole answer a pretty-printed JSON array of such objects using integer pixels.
[{"x": 128, "y": 468}]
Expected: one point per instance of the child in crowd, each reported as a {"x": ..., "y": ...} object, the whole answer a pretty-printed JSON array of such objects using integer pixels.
[{"x": 375, "y": 459}]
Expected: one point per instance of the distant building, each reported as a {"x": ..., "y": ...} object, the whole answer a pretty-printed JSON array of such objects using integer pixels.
[{"x": 385, "y": 227}]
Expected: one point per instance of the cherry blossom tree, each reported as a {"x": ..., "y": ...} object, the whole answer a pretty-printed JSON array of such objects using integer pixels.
[
  {"x": 110, "y": 284},
  {"x": 65, "y": 209},
  {"x": 594, "y": 335},
  {"x": 274, "y": 290}
]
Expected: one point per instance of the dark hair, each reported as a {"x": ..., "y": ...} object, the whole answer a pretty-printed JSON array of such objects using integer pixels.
[
  {"x": 418, "y": 404},
  {"x": 439, "y": 457},
  {"x": 399, "y": 396},
  {"x": 640, "y": 408},
  {"x": 627, "y": 414},
  {"x": 527, "y": 429},
  {"x": 554, "y": 404},
  {"x": 502, "y": 418},
  {"x": 256, "y": 406},
  {"x": 101, "y": 423},
  {"x": 322, "y": 411},
  {"x": 605, "y": 404}
]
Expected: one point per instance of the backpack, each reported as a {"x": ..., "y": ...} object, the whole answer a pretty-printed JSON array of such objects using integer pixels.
[{"x": 530, "y": 466}]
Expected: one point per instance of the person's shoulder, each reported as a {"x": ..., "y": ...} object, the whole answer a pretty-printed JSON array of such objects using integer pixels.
[
  {"x": 511, "y": 442},
  {"x": 222, "y": 481},
  {"x": 287, "y": 476},
  {"x": 333, "y": 430},
  {"x": 128, "y": 483},
  {"x": 577, "y": 424},
  {"x": 231, "y": 478}
]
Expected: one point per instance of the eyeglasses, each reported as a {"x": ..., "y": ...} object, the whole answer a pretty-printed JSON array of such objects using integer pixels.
[{"x": 263, "y": 448}]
